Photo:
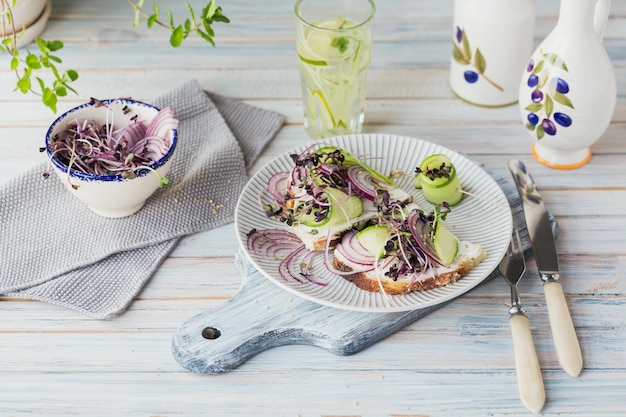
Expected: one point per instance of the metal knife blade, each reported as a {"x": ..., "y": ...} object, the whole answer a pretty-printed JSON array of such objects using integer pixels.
[{"x": 544, "y": 248}]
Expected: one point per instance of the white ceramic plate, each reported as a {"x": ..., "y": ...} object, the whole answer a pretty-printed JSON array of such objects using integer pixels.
[{"x": 485, "y": 220}]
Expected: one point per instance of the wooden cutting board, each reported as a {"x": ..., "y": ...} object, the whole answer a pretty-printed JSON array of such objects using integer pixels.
[{"x": 262, "y": 315}]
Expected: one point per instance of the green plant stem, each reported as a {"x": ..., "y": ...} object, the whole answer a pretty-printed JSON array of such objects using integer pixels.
[
  {"x": 25, "y": 78},
  {"x": 139, "y": 10}
]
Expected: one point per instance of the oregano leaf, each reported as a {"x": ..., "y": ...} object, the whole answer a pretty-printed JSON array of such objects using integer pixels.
[
  {"x": 191, "y": 12},
  {"x": 177, "y": 37},
  {"x": 218, "y": 17},
  {"x": 23, "y": 84},
  {"x": 60, "y": 91},
  {"x": 55, "y": 45},
  {"x": 210, "y": 10},
  {"x": 206, "y": 37},
  {"x": 71, "y": 74},
  {"x": 42, "y": 45},
  {"x": 49, "y": 99},
  {"x": 208, "y": 28},
  {"x": 151, "y": 20},
  {"x": 32, "y": 61},
  {"x": 171, "y": 18}
]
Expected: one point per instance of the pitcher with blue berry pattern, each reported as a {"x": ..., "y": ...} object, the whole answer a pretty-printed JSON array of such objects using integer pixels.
[{"x": 567, "y": 94}]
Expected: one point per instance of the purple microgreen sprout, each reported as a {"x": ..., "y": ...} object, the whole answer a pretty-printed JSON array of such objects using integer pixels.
[{"x": 442, "y": 171}]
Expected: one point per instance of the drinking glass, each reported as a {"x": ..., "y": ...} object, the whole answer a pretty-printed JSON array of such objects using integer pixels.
[{"x": 334, "y": 44}]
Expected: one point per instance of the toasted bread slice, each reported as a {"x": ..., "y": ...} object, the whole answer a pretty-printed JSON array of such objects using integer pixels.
[{"x": 469, "y": 255}]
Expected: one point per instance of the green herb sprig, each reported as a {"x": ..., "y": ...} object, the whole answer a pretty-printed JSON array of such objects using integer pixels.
[
  {"x": 210, "y": 14},
  {"x": 25, "y": 66}
]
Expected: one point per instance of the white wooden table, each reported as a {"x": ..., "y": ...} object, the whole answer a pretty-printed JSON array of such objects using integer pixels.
[{"x": 458, "y": 361}]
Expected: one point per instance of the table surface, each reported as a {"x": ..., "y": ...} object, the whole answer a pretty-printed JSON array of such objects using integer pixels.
[{"x": 456, "y": 361}]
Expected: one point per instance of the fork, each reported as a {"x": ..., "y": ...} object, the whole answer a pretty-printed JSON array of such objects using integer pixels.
[{"x": 529, "y": 379}]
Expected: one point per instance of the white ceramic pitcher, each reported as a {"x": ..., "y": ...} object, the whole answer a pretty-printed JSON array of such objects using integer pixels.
[
  {"x": 491, "y": 43},
  {"x": 567, "y": 94}
]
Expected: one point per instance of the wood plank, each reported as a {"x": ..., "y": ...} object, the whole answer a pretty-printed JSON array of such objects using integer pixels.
[{"x": 415, "y": 393}]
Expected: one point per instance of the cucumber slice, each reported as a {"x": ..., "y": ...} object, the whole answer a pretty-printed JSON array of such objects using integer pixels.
[
  {"x": 353, "y": 160},
  {"x": 449, "y": 192},
  {"x": 309, "y": 219},
  {"x": 373, "y": 239},
  {"x": 343, "y": 209},
  {"x": 434, "y": 162},
  {"x": 441, "y": 189},
  {"x": 446, "y": 245},
  {"x": 418, "y": 183}
]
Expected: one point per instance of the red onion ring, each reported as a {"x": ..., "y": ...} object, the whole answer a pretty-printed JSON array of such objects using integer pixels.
[
  {"x": 278, "y": 186},
  {"x": 362, "y": 181}
]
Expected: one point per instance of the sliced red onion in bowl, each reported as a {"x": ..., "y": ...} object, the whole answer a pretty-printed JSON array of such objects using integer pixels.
[{"x": 162, "y": 123}]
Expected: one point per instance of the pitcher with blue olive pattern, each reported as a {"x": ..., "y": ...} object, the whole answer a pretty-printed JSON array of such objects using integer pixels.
[
  {"x": 567, "y": 94},
  {"x": 491, "y": 43}
]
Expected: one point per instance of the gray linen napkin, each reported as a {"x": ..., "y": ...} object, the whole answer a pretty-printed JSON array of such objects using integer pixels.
[{"x": 54, "y": 249}]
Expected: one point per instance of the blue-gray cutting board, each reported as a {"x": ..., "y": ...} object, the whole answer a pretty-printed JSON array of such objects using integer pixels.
[{"x": 262, "y": 315}]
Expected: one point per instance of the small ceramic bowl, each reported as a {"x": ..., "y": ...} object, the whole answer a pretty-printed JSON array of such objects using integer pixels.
[{"x": 112, "y": 195}]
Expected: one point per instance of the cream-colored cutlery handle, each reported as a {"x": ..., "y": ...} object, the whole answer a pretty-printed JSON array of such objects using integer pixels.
[
  {"x": 529, "y": 379},
  {"x": 563, "y": 332}
]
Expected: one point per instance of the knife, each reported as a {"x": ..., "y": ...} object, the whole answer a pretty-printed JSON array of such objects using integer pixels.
[{"x": 544, "y": 248}]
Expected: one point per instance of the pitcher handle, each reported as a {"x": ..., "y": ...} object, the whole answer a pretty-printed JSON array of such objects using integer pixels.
[{"x": 601, "y": 17}]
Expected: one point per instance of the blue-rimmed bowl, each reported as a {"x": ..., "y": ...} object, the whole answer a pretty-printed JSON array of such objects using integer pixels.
[{"x": 112, "y": 195}]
